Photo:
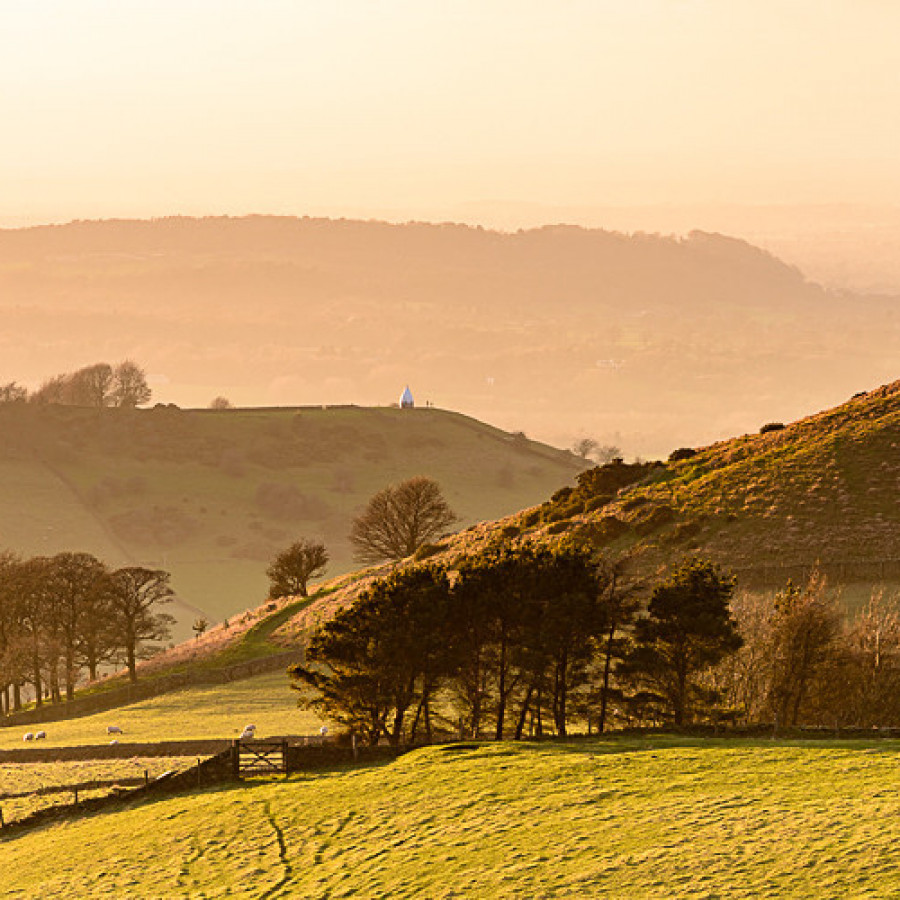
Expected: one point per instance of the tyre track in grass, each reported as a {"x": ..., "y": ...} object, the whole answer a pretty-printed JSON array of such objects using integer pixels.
[{"x": 282, "y": 855}]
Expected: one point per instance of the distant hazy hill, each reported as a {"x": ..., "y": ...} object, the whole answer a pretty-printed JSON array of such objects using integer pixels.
[
  {"x": 211, "y": 495},
  {"x": 644, "y": 341}
]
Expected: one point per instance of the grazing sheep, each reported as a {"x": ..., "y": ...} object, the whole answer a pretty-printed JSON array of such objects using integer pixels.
[
  {"x": 249, "y": 728},
  {"x": 113, "y": 741},
  {"x": 323, "y": 731},
  {"x": 113, "y": 729},
  {"x": 247, "y": 735},
  {"x": 40, "y": 736},
  {"x": 28, "y": 736}
]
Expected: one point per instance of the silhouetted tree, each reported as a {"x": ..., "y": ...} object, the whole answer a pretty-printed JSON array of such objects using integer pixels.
[
  {"x": 129, "y": 387},
  {"x": 688, "y": 627},
  {"x": 75, "y": 579},
  {"x": 92, "y": 386},
  {"x": 135, "y": 593},
  {"x": 584, "y": 447},
  {"x": 805, "y": 627},
  {"x": 292, "y": 569},
  {"x": 220, "y": 403},
  {"x": 377, "y": 657},
  {"x": 400, "y": 519},
  {"x": 52, "y": 390},
  {"x": 12, "y": 393}
]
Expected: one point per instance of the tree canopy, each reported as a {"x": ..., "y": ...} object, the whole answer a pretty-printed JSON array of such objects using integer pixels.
[{"x": 399, "y": 519}]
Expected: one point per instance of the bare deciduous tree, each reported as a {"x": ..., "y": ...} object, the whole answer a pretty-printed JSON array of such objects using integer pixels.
[
  {"x": 291, "y": 569},
  {"x": 134, "y": 594},
  {"x": 92, "y": 386},
  {"x": 400, "y": 519},
  {"x": 585, "y": 447},
  {"x": 130, "y": 388}
]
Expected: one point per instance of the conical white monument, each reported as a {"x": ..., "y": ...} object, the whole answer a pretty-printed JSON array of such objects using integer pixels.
[{"x": 406, "y": 399}]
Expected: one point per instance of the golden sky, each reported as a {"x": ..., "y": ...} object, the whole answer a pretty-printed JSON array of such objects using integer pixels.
[{"x": 374, "y": 107}]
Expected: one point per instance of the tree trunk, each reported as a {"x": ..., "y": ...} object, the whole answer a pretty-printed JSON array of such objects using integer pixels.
[
  {"x": 415, "y": 724},
  {"x": 38, "y": 684},
  {"x": 70, "y": 674},
  {"x": 17, "y": 696},
  {"x": 501, "y": 687},
  {"x": 560, "y": 692},
  {"x": 607, "y": 670},
  {"x": 523, "y": 713},
  {"x": 54, "y": 682}
]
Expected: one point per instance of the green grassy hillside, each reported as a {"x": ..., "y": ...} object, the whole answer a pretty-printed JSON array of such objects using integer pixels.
[
  {"x": 823, "y": 488},
  {"x": 214, "y": 712},
  {"x": 822, "y": 491},
  {"x": 212, "y": 495},
  {"x": 617, "y": 818}
]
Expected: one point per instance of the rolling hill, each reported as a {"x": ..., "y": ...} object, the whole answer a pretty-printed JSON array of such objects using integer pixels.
[
  {"x": 819, "y": 493},
  {"x": 211, "y": 495},
  {"x": 627, "y": 817},
  {"x": 642, "y": 340}
]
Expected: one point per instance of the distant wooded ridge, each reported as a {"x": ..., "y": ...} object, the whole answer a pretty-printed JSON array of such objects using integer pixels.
[{"x": 645, "y": 342}]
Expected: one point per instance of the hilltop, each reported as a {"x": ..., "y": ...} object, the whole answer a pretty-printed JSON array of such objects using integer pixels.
[
  {"x": 644, "y": 341},
  {"x": 211, "y": 495},
  {"x": 819, "y": 492}
]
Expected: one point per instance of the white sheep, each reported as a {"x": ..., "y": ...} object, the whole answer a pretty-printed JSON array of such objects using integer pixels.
[
  {"x": 113, "y": 729},
  {"x": 40, "y": 736},
  {"x": 28, "y": 736},
  {"x": 113, "y": 741},
  {"x": 249, "y": 728},
  {"x": 247, "y": 735},
  {"x": 323, "y": 731}
]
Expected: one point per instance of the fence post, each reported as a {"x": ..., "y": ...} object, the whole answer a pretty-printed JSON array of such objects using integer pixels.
[
  {"x": 235, "y": 759},
  {"x": 284, "y": 754}
]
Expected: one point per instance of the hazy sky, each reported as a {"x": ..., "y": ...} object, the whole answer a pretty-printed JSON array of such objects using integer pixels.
[{"x": 358, "y": 107}]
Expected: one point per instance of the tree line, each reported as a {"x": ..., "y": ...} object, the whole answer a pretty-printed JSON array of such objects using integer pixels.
[
  {"x": 516, "y": 640},
  {"x": 64, "y": 614},
  {"x": 531, "y": 641},
  {"x": 99, "y": 385}
]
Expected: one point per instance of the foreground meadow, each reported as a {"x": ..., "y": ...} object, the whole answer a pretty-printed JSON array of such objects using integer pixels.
[{"x": 619, "y": 818}]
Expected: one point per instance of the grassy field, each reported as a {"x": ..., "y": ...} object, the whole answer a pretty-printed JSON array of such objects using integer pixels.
[
  {"x": 618, "y": 818},
  {"x": 22, "y": 778},
  {"x": 218, "y": 711},
  {"x": 211, "y": 496}
]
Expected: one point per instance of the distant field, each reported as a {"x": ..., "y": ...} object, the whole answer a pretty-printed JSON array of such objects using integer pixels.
[
  {"x": 219, "y": 711},
  {"x": 618, "y": 818},
  {"x": 211, "y": 496}
]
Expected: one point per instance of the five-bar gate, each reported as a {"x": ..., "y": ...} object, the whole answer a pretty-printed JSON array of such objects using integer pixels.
[{"x": 260, "y": 757}]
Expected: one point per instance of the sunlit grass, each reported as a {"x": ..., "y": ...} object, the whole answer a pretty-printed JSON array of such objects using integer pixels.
[
  {"x": 618, "y": 818},
  {"x": 218, "y": 711}
]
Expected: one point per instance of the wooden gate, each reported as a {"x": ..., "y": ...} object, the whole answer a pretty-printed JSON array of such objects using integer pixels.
[{"x": 260, "y": 757}]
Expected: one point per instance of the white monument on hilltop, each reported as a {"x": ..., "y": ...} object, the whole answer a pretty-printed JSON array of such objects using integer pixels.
[{"x": 406, "y": 399}]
